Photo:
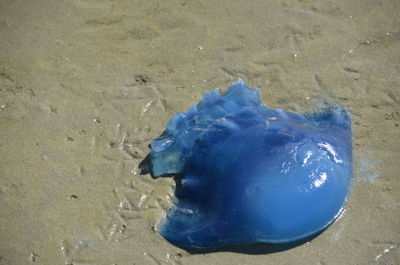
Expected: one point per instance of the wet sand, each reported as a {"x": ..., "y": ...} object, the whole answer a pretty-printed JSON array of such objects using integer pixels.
[{"x": 85, "y": 85}]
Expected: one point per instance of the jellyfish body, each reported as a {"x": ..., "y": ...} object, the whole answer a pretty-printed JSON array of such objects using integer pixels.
[{"x": 246, "y": 173}]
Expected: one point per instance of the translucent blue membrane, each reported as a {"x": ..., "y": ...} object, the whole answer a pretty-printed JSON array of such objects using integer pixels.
[{"x": 247, "y": 173}]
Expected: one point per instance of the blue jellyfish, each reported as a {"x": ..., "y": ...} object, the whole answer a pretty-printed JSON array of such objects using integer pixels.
[{"x": 246, "y": 173}]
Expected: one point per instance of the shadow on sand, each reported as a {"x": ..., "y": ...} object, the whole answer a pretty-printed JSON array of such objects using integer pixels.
[{"x": 251, "y": 249}]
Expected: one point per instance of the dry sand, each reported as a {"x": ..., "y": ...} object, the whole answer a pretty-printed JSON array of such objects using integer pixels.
[{"x": 86, "y": 84}]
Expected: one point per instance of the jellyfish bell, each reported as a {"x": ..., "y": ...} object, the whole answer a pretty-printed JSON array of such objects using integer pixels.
[{"x": 246, "y": 173}]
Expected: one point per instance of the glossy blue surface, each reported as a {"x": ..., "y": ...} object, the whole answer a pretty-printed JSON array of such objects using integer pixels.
[{"x": 252, "y": 174}]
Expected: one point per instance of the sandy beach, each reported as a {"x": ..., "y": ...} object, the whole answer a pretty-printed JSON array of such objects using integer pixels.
[{"x": 85, "y": 85}]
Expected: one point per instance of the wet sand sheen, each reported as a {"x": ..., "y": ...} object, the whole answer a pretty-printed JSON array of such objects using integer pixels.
[{"x": 85, "y": 85}]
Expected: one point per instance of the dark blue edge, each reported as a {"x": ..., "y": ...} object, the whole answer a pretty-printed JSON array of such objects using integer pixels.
[{"x": 253, "y": 248}]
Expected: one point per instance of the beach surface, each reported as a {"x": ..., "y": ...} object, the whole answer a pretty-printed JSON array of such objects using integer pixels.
[{"x": 86, "y": 84}]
